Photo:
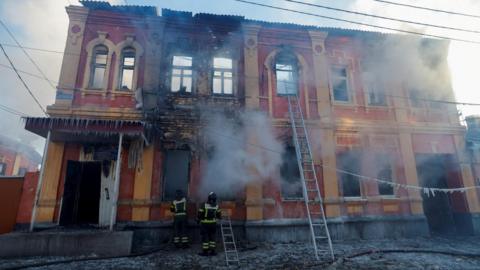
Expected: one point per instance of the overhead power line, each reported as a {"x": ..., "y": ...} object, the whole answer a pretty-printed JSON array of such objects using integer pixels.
[
  {"x": 382, "y": 17},
  {"x": 357, "y": 22},
  {"x": 12, "y": 111},
  {"x": 429, "y": 9},
  {"x": 21, "y": 79},
  {"x": 28, "y": 73},
  {"x": 26, "y": 54}
]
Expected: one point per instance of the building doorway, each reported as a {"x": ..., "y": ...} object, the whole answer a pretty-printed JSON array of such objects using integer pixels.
[
  {"x": 446, "y": 213},
  {"x": 81, "y": 195}
]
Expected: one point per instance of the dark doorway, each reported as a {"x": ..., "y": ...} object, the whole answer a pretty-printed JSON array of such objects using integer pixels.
[
  {"x": 176, "y": 173},
  {"x": 81, "y": 195},
  {"x": 446, "y": 213}
]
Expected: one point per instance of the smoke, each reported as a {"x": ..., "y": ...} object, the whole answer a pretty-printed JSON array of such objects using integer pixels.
[
  {"x": 241, "y": 150},
  {"x": 407, "y": 62}
]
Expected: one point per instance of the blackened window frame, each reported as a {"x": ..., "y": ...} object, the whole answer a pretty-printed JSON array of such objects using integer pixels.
[
  {"x": 128, "y": 52},
  {"x": 346, "y": 78},
  {"x": 290, "y": 65},
  {"x": 289, "y": 168},
  {"x": 346, "y": 179},
  {"x": 384, "y": 160},
  {"x": 223, "y": 71},
  {"x": 181, "y": 75},
  {"x": 99, "y": 49}
]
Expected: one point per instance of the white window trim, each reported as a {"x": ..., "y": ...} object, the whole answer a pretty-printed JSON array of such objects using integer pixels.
[
  {"x": 100, "y": 40},
  {"x": 234, "y": 76},
  {"x": 170, "y": 74},
  {"x": 351, "y": 94},
  {"x": 128, "y": 42}
]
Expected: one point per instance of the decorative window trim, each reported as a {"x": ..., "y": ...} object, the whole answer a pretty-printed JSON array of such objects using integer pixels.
[
  {"x": 350, "y": 89},
  {"x": 128, "y": 42},
  {"x": 100, "y": 40},
  {"x": 303, "y": 69}
]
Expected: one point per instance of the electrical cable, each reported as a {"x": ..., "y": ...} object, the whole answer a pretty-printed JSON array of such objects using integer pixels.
[
  {"x": 26, "y": 54},
  {"x": 27, "y": 73},
  {"x": 358, "y": 23},
  {"x": 383, "y": 17},
  {"x": 429, "y": 9},
  {"x": 23, "y": 82}
]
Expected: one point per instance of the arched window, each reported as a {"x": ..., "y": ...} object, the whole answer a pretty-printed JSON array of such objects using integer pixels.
[
  {"x": 127, "y": 67},
  {"x": 99, "y": 66},
  {"x": 286, "y": 71}
]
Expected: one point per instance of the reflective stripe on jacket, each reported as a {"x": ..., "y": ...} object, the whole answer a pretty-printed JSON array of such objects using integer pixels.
[
  {"x": 209, "y": 213},
  {"x": 179, "y": 208}
]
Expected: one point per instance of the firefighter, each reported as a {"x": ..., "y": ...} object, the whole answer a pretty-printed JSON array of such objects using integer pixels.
[
  {"x": 179, "y": 210},
  {"x": 207, "y": 217}
]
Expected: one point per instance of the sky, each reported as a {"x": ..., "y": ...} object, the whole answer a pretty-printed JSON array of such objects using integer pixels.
[{"x": 43, "y": 24}]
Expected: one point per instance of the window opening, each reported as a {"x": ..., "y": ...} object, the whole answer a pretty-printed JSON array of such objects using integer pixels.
[{"x": 181, "y": 80}]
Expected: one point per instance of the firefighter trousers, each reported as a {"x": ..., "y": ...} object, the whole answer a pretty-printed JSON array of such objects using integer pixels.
[
  {"x": 208, "y": 232},
  {"x": 180, "y": 237}
]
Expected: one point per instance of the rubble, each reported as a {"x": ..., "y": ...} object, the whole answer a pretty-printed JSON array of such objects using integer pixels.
[{"x": 292, "y": 256}]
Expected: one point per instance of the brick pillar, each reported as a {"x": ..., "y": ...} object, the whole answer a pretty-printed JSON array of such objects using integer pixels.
[{"x": 408, "y": 158}]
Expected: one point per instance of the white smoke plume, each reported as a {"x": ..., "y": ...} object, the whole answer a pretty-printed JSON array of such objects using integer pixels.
[{"x": 240, "y": 151}]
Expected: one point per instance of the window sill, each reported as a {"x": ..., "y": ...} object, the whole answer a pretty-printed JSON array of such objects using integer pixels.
[
  {"x": 344, "y": 104},
  {"x": 292, "y": 200},
  {"x": 355, "y": 200}
]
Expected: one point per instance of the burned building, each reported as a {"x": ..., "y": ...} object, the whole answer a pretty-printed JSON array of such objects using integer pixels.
[
  {"x": 148, "y": 104},
  {"x": 17, "y": 158}
]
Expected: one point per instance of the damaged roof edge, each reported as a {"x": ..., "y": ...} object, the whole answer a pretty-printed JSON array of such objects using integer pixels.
[{"x": 187, "y": 15}]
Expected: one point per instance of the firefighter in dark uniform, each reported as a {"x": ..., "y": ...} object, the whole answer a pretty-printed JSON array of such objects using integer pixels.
[
  {"x": 207, "y": 216},
  {"x": 179, "y": 210}
]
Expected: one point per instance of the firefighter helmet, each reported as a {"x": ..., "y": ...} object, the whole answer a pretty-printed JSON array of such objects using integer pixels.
[{"x": 212, "y": 197}]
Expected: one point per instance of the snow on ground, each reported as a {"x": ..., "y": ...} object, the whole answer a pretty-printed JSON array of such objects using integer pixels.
[{"x": 256, "y": 256}]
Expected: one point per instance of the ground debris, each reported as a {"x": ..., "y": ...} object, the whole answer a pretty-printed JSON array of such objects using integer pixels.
[{"x": 259, "y": 256}]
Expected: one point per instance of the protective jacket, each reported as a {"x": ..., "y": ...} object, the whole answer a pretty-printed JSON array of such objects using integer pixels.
[
  {"x": 208, "y": 213},
  {"x": 179, "y": 207}
]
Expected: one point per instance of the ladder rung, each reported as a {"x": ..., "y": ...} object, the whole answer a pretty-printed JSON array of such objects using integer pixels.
[
  {"x": 315, "y": 213},
  {"x": 318, "y": 224},
  {"x": 320, "y": 237}
]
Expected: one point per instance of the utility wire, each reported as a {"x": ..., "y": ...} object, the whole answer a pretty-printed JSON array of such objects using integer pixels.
[
  {"x": 21, "y": 79},
  {"x": 383, "y": 17},
  {"x": 26, "y": 54},
  {"x": 27, "y": 73},
  {"x": 429, "y": 9},
  {"x": 12, "y": 111},
  {"x": 358, "y": 23}
]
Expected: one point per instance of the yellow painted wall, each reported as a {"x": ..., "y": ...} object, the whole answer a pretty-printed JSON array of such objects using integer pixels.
[
  {"x": 52, "y": 170},
  {"x": 143, "y": 186}
]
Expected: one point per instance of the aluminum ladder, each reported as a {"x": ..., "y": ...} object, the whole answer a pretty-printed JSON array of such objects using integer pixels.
[
  {"x": 311, "y": 191},
  {"x": 229, "y": 245}
]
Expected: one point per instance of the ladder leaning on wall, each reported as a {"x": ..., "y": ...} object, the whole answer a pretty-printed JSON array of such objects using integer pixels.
[
  {"x": 311, "y": 191},
  {"x": 229, "y": 245}
]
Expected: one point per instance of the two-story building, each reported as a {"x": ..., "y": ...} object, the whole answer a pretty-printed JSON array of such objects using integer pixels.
[{"x": 149, "y": 104}]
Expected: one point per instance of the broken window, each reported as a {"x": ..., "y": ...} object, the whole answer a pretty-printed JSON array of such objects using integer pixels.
[
  {"x": 222, "y": 76},
  {"x": 3, "y": 168},
  {"x": 99, "y": 66},
  {"x": 291, "y": 185},
  {"x": 176, "y": 172},
  {"x": 181, "y": 80},
  {"x": 286, "y": 72},
  {"x": 349, "y": 162},
  {"x": 127, "y": 66},
  {"x": 376, "y": 94},
  {"x": 385, "y": 172},
  {"x": 340, "y": 84}
]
